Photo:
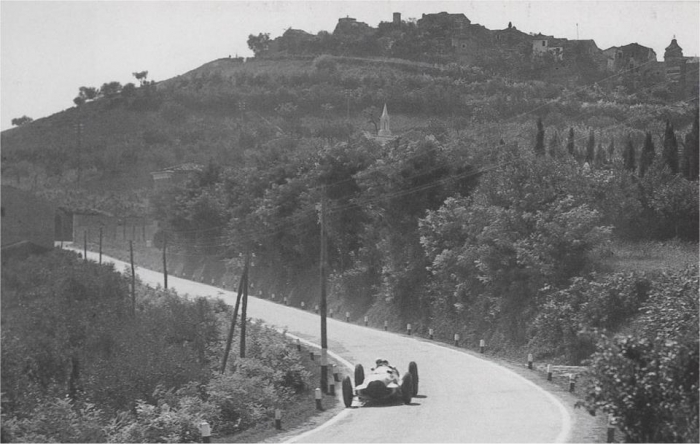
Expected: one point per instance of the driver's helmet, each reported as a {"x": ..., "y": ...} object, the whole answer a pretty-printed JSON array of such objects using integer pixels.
[{"x": 380, "y": 362}]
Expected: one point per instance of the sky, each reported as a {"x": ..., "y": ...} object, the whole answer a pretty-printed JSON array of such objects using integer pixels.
[{"x": 48, "y": 49}]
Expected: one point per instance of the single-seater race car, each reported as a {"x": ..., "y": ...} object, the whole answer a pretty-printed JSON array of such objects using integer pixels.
[{"x": 383, "y": 383}]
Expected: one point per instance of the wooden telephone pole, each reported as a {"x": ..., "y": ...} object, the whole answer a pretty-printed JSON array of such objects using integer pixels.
[
  {"x": 323, "y": 305},
  {"x": 165, "y": 264},
  {"x": 229, "y": 340}
]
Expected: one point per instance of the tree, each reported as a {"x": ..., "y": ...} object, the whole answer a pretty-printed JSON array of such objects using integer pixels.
[
  {"x": 647, "y": 156},
  {"x": 590, "y": 147},
  {"x": 670, "y": 152},
  {"x": 259, "y": 44},
  {"x": 19, "y": 121},
  {"x": 142, "y": 77},
  {"x": 86, "y": 94},
  {"x": 690, "y": 158},
  {"x": 629, "y": 156},
  {"x": 539, "y": 139},
  {"x": 611, "y": 149},
  {"x": 570, "y": 146},
  {"x": 111, "y": 90},
  {"x": 554, "y": 145},
  {"x": 600, "y": 157}
]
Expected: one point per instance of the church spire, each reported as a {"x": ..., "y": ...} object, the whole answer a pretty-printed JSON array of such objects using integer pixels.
[{"x": 384, "y": 130}]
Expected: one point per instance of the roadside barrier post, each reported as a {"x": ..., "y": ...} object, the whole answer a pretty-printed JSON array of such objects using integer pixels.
[
  {"x": 336, "y": 377},
  {"x": 331, "y": 387},
  {"x": 278, "y": 419},
  {"x": 572, "y": 383},
  {"x": 408, "y": 329},
  {"x": 549, "y": 372},
  {"x": 273, "y": 296},
  {"x": 330, "y": 312},
  {"x": 302, "y": 305},
  {"x": 316, "y": 308},
  {"x": 298, "y": 345},
  {"x": 205, "y": 431},
  {"x": 285, "y": 301},
  {"x": 347, "y": 316},
  {"x": 311, "y": 355},
  {"x": 318, "y": 399},
  {"x": 430, "y": 333},
  {"x": 366, "y": 321},
  {"x": 385, "y": 325},
  {"x": 482, "y": 346},
  {"x": 529, "y": 361},
  {"x": 611, "y": 429},
  {"x": 456, "y": 339}
]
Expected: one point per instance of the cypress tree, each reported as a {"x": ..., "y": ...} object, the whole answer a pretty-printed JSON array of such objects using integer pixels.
[
  {"x": 691, "y": 152},
  {"x": 611, "y": 149},
  {"x": 554, "y": 145},
  {"x": 600, "y": 157},
  {"x": 570, "y": 147},
  {"x": 647, "y": 156},
  {"x": 629, "y": 155},
  {"x": 590, "y": 147},
  {"x": 539, "y": 140},
  {"x": 670, "y": 152}
]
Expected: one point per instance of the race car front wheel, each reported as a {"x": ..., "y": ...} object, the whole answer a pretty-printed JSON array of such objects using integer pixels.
[
  {"x": 347, "y": 391},
  {"x": 359, "y": 375},
  {"x": 406, "y": 388}
]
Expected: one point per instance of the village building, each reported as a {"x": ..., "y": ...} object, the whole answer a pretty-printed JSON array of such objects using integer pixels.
[
  {"x": 28, "y": 223},
  {"x": 174, "y": 175}
]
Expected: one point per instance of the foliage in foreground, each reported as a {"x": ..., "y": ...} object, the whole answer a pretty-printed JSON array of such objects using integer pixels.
[
  {"x": 649, "y": 381},
  {"x": 78, "y": 367}
]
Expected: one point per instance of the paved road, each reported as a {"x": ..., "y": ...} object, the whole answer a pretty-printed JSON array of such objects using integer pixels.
[{"x": 461, "y": 398}]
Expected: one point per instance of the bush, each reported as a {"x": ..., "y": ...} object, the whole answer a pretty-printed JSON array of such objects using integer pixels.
[{"x": 649, "y": 382}]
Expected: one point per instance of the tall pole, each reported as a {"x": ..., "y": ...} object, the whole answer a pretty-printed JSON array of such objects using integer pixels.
[
  {"x": 85, "y": 245},
  {"x": 100, "y": 245},
  {"x": 244, "y": 304},
  {"x": 229, "y": 340},
  {"x": 133, "y": 278},
  {"x": 323, "y": 308},
  {"x": 165, "y": 264}
]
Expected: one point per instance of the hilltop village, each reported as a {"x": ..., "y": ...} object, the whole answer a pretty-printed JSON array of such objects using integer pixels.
[{"x": 453, "y": 38}]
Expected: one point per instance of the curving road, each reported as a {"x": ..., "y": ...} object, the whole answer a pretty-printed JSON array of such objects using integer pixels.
[{"x": 461, "y": 397}]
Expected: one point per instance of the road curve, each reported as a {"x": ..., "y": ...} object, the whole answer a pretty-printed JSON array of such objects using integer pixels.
[{"x": 462, "y": 398}]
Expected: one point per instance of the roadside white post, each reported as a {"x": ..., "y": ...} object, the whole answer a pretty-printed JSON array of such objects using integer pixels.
[
  {"x": 529, "y": 361},
  {"x": 572, "y": 382},
  {"x": 456, "y": 339},
  {"x": 408, "y": 329},
  {"x": 205, "y": 431},
  {"x": 302, "y": 305},
  {"x": 430, "y": 333},
  {"x": 482, "y": 346},
  {"x": 278, "y": 419},
  {"x": 549, "y": 372},
  {"x": 316, "y": 308},
  {"x": 336, "y": 377},
  {"x": 330, "y": 312},
  {"x": 366, "y": 321},
  {"x": 347, "y": 316},
  {"x": 611, "y": 429},
  {"x": 317, "y": 394},
  {"x": 273, "y": 296},
  {"x": 285, "y": 301},
  {"x": 386, "y": 324}
]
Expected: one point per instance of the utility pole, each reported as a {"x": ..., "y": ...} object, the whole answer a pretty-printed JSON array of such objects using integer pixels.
[
  {"x": 85, "y": 246},
  {"x": 229, "y": 340},
  {"x": 165, "y": 264},
  {"x": 133, "y": 278},
  {"x": 323, "y": 308},
  {"x": 244, "y": 304},
  {"x": 100, "y": 245}
]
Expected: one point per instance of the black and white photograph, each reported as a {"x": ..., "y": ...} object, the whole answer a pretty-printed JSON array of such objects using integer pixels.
[{"x": 326, "y": 221}]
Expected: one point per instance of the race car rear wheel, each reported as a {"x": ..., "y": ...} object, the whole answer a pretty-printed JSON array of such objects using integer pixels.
[
  {"x": 406, "y": 388},
  {"x": 413, "y": 370},
  {"x": 347, "y": 391},
  {"x": 359, "y": 375}
]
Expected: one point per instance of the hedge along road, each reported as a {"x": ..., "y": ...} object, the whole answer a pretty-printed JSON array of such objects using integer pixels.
[{"x": 461, "y": 397}]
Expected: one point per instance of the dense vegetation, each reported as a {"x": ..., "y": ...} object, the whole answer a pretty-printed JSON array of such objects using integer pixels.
[
  {"x": 495, "y": 212},
  {"x": 79, "y": 366}
]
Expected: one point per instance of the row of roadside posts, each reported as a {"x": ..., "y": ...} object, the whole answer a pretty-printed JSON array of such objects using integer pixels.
[{"x": 206, "y": 430}]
